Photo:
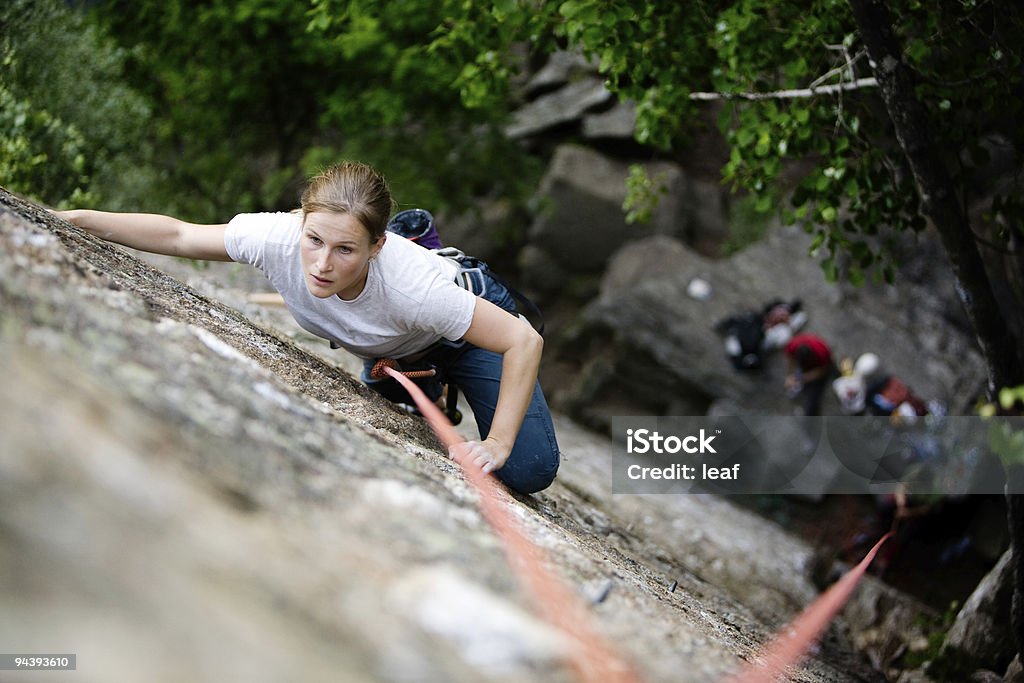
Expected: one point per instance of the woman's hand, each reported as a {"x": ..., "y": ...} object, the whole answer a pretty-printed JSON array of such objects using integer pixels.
[
  {"x": 72, "y": 216},
  {"x": 489, "y": 455}
]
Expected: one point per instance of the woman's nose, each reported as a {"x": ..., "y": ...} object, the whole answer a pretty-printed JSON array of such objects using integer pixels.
[{"x": 323, "y": 261}]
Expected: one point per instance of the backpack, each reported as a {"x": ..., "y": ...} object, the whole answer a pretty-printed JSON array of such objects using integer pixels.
[
  {"x": 888, "y": 394},
  {"x": 744, "y": 334}
]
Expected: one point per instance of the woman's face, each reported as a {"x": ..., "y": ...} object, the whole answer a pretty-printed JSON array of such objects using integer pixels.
[{"x": 336, "y": 250}]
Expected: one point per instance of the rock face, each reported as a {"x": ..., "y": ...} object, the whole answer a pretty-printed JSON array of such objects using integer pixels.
[
  {"x": 186, "y": 496},
  {"x": 981, "y": 635},
  {"x": 560, "y": 107},
  {"x": 646, "y": 342},
  {"x": 581, "y": 223}
]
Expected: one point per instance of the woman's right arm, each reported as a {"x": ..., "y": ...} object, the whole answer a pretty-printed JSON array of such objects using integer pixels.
[{"x": 153, "y": 232}]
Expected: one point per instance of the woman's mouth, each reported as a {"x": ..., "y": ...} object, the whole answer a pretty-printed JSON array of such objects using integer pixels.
[{"x": 320, "y": 280}]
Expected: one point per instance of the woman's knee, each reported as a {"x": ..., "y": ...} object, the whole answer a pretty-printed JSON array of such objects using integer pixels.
[
  {"x": 530, "y": 479},
  {"x": 534, "y": 460}
]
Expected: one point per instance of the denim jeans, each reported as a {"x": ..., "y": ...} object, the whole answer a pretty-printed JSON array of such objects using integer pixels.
[{"x": 534, "y": 459}]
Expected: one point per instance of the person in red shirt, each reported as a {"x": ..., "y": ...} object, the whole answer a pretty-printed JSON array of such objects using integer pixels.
[{"x": 809, "y": 367}]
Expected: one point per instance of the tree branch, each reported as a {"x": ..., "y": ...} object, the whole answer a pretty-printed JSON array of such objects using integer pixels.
[
  {"x": 845, "y": 66},
  {"x": 787, "y": 94}
]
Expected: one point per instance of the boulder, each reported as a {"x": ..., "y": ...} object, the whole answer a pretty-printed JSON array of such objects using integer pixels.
[
  {"x": 581, "y": 222},
  {"x": 561, "y": 68},
  {"x": 981, "y": 635},
  {"x": 619, "y": 122},
  {"x": 656, "y": 345},
  {"x": 887, "y": 625},
  {"x": 708, "y": 215},
  {"x": 558, "y": 108}
]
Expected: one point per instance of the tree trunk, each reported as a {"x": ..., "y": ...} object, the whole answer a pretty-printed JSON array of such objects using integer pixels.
[{"x": 939, "y": 200}]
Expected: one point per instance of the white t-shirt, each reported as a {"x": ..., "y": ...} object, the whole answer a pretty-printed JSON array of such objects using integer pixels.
[{"x": 410, "y": 300}]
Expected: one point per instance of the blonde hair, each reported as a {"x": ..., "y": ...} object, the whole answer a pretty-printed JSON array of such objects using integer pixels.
[{"x": 353, "y": 188}]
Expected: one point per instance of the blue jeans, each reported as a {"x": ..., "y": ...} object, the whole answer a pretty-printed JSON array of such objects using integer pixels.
[{"x": 534, "y": 459}]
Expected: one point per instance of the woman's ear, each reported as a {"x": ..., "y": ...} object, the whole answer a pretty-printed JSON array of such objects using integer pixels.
[{"x": 378, "y": 245}]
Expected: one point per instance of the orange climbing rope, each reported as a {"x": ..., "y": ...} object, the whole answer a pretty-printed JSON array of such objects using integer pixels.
[
  {"x": 791, "y": 642},
  {"x": 593, "y": 660},
  {"x": 590, "y": 656},
  {"x": 378, "y": 370}
]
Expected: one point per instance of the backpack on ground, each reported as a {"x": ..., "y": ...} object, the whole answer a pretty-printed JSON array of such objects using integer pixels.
[
  {"x": 743, "y": 336},
  {"x": 887, "y": 395}
]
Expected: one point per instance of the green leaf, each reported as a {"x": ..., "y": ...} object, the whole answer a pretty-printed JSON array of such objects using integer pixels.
[
  {"x": 918, "y": 50},
  {"x": 764, "y": 143},
  {"x": 816, "y": 243},
  {"x": 830, "y": 269},
  {"x": 569, "y": 9}
]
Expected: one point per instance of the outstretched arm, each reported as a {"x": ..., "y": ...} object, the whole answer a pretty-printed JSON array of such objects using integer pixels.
[
  {"x": 153, "y": 232},
  {"x": 521, "y": 346}
]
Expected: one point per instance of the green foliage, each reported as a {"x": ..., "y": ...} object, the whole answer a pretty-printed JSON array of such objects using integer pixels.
[
  {"x": 69, "y": 129},
  {"x": 407, "y": 105},
  {"x": 1007, "y": 442},
  {"x": 39, "y": 153},
  {"x": 1006, "y": 437},
  {"x": 936, "y": 628},
  {"x": 829, "y": 162},
  {"x": 749, "y": 219},
  {"x": 642, "y": 194},
  {"x": 252, "y": 96}
]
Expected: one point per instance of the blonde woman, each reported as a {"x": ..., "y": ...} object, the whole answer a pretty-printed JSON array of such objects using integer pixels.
[{"x": 378, "y": 295}]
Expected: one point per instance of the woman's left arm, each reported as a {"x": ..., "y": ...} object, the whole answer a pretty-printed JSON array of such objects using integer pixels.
[{"x": 520, "y": 346}]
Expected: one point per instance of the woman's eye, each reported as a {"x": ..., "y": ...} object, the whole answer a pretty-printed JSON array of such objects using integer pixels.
[{"x": 314, "y": 240}]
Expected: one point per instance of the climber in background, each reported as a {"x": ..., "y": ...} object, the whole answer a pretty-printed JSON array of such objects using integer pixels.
[
  {"x": 747, "y": 336},
  {"x": 809, "y": 368}
]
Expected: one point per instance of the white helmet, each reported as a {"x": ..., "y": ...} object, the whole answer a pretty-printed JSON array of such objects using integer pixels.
[{"x": 866, "y": 365}]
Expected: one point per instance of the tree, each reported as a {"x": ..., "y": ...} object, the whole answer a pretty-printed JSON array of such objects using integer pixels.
[
  {"x": 796, "y": 83},
  {"x": 252, "y": 96},
  {"x": 70, "y": 129},
  {"x": 939, "y": 198}
]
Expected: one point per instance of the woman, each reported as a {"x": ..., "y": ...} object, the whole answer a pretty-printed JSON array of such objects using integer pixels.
[{"x": 379, "y": 295}]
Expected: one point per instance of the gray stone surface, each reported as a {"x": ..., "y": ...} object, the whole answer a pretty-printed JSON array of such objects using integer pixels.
[
  {"x": 185, "y": 495},
  {"x": 981, "y": 635},
  {"x": 581, "y": 222},
  {"x": 618, "y": 122},
  {"x": 562, "y": 106},
  {"x": 646, "y": 342},
  {"x": 560, "y": 69}
]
